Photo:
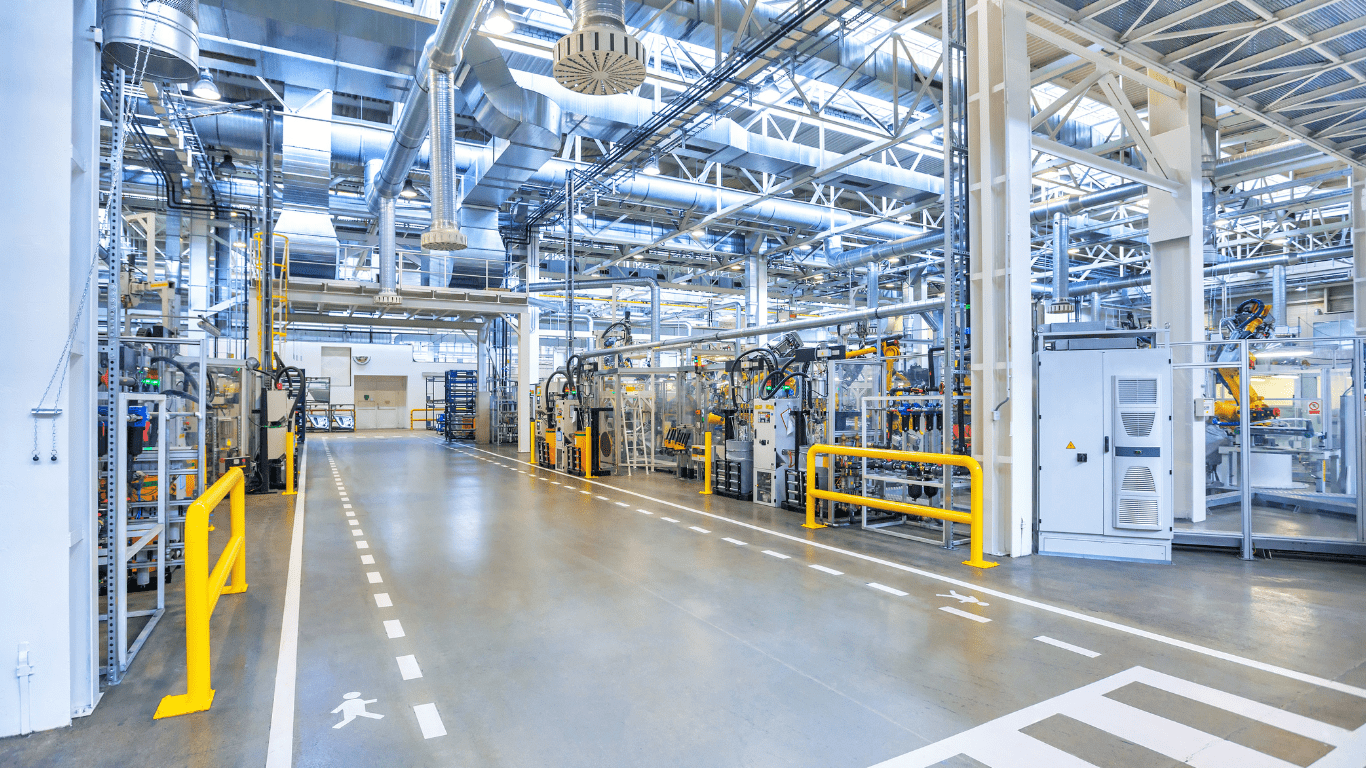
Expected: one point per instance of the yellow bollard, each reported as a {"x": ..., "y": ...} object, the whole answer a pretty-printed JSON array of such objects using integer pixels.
[
  {"x": 289, "y": 464},
  {"x": 706, "y": 470},
  {"x": 587, "y": 455}
]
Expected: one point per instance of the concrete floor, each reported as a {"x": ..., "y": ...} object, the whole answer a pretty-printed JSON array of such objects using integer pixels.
[{"x": 554, "y": 623}]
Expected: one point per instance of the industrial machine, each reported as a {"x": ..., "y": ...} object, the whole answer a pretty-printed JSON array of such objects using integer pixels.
[
  {"x": 1104, "y": 445},
  {"x": 775, "y": 447},
  {"x": 1251, "y": 320}
]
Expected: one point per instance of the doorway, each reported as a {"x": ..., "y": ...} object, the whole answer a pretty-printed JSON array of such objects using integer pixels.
[{"x": 381, "y": 402}]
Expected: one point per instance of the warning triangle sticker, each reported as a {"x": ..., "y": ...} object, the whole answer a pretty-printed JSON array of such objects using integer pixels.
[{"x": 1070, "y": 446}]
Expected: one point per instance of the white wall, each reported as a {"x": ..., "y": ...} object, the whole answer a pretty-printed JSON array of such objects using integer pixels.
[{"x": 385, "y": 360}]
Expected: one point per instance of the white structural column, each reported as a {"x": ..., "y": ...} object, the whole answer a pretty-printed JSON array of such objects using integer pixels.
[
  {"x": 999, "y": 293},
  {"x": 1359, "y": 247},
  {"x": 528, "y": 352},
  {"x": 483, "y": 420},
  {"x": 199, "y": 271},
  {"x": 1176, "y": 236},
  {"x": 47, "y": 534},
  {"x": 756, "y": 292}
]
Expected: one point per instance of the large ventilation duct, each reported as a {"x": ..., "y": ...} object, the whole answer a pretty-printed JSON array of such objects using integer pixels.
[
  {"x": 443, "y": 235},
  {"x": 599, "y": 57},
  {"x": 1069, "y": 206},
  {"x": 1261, "y": 160},
  {"x": 153, "y": 39},
  {"x": 306, "y": 165},
  {"x": 442, "y": 51},
  {"x": 1234, "y": 267},
  {"x": 388, "y": 255}
]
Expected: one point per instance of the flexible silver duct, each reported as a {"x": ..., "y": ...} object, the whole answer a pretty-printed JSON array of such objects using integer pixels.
[
  {"x": 388, "y": 255},
  {"x": 443, "y": 234},
  {"x": 1062, "y": 264}
]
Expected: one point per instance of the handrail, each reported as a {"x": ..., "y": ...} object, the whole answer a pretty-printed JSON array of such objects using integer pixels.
[
  {"x": 972, "y": 519},
  {"x": 412, "y": 415},
  {"x": 202, "y": 587}
]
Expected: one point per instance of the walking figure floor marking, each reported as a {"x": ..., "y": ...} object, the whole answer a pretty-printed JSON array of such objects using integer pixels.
[{"x": 354, "y": 707}]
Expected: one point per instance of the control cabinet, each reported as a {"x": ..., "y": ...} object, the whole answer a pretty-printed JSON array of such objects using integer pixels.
[
  {"x": 1105, "y": 452},
  {"x": 775, "y": 442}
]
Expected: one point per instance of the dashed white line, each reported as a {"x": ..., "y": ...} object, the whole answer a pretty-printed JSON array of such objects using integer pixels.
[
  {"x": 346, "y": 506},
  {"x": 350, "y": 513},
  {"x": 830, "y": 571},
  {"x": 357, "y": 532},
  {"x": 429, "y": 720},
  {"x": 353, "y": 522},
  {"x": 668, "y": 519},
  {"x": 586, "y": 493},
  {"x": 736, "y": 542},
  {"x": 407, "y": 667},
  {"x": 374, "y": 577},
  {"x": 644, "y": 511},
  {"x": 362, "y": 545},
  {"x": 367, "y": 559},
  {"x": 622, "y": 504},
  {"x": 382, "y": 600},
  {"x": 554, "y": 482},
  {"x": 604, "y": 498},
  {"x": 887, "y": 589},
  {"x": 1067, "y": 646},
  {"x": 778, "y": 555},
  {"x": 393, "y": 629},
  {"x": 964, "y": 614},
  {"x": 699, "y": 530}
]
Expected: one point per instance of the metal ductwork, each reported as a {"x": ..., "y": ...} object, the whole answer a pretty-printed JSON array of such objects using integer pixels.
[
  {"x": 443, "y": 234},
  {"x": 388, "y": 255},
  {"x": 1062, "y": 264},
  {"x": 1069, "y": 206},
  {"x": 1260, "y": 160},
  {"x": 153, "y": 39},
  {"x": 599, "y": 57},
  {"x": 306, "y": 167},
  {"x": 442, "y": 51}
]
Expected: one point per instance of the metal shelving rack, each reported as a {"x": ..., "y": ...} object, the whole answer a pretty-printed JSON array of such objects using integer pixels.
[
  {"x": 462, "y": 388},
  {"x": 873, "y": 414},
  {"x": 436, "y": 399},
  {"x": 504, "y": 409}
]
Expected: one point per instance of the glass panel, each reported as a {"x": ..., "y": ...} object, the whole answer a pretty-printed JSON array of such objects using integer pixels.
[
  {"x": 1217, "y": 433},
  {"x": 1302, "y": 421}
]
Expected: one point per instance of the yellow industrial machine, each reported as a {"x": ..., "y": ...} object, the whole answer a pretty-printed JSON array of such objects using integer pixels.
[{"x": 1252, "y": 320}]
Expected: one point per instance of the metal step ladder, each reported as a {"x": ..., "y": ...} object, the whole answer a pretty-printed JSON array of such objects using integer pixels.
[{"x": 638, "y": 418}]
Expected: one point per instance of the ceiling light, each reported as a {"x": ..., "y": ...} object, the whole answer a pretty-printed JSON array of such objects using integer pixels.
[
  {"x": 652, "y": 167},
  {"x": 893, "y": 261},
  {"x": 205, "y": 87},
  {"x": 498, "y": 21},
  {"x": 409, "y": 191},
  {"x": 227, "y": 167},
  {"x": 769, "y": 90},
  {"x": 737, "y": 266}
]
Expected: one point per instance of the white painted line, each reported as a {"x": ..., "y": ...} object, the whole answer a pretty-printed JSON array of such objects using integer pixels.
[
  {"x": 346, "y": 506},
  {"x": 588, "y": 493},
  {"x": 736, "y": 542},
  {"x": 644, "y": 511},
  {"x": 407, "y": 667},
  {"x": 604, "y": 498},
  {"x": 374, "y": 577},
  {"x": 1067, "y": 646},
  {"x": 367, "y": 559},
  {"x": 1291, "y": 674},
  {"x": 393, "y": 629},
  {"x": 830, "y": 571},
  {"x": 280, "y": 747},
  {"x": 699, "y": 530},
  {"x": 382, "y": 600},
  {"x": 357, "y": 532},
  {"x": 552, "y": 482},
  {"x": 778, "y": 555},
  {"x": 891, "y": 590},
  {"x": 668, "y": 519},
  {"x": 353, "y": 522},
  {"x": 350, "y": 513},
  {"x": 622, "y": 504},
  {"x": 964, "y": 614},
  {"x": 429, "y": 720},
  {"x": 522, "y": 471},
  {"x": 362, "y": 545},
  {"x": 345, "y": 498}
]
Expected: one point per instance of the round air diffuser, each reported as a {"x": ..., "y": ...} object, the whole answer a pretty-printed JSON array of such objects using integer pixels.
[
  {"x": 444, "y": 239},
  {"x": 599, "y": 57},
  {"x": 157, "y": 39}
]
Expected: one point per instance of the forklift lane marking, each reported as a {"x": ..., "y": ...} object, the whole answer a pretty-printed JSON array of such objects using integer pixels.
[
  {"x": 280, "y": 745},
  {"x": 367, "y": 559},
  {"x": 1025, "y": 601},
  {"x": 778, "y": 555},
  {"x": 887, "y": 589},
  {"x": 382, "y": 600},
  {"x": 830, "y": 571},
  {"x": 736, "y": 542},
  {"x": 1067, "y": 646},
  {"x": 964, "y": 614},
  {"x": 699, "y": 530}
]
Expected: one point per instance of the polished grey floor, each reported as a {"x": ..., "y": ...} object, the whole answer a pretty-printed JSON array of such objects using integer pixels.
[{"x": 554, "y": 623}]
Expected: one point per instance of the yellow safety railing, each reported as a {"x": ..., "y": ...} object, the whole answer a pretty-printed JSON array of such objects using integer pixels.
[
  {"x": 972, "y": 518},
  {"x": 202, "y": 588},
  {"x": 413, "y": 419}
]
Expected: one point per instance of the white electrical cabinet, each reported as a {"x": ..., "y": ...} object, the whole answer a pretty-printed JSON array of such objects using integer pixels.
[
  {"x": 1105, "y": 452},
  {"x": 775, "y": 442}
]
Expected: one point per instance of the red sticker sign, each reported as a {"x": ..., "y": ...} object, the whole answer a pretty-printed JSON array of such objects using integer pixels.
[{"x": 1314, "y": 409}]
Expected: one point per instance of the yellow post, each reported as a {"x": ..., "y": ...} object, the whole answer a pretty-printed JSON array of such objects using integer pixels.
[
  {"x": 289, "y": 464},
  {"x": 202, "y": 588},
  {"x": 586, "y": 456},
  {"x": 974, "y": 518},
  {"x": 706, "y": 470}
]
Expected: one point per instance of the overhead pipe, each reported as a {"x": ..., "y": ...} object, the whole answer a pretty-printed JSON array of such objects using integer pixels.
[
  {"x": 600, "y": 282},
  {"x": 1062, "y": 261},
  {"x": 442, "y": 51},
  {"x": 1234, "y": 267},
  {"x": 443, "y": 234},
  {"x": 871, "y": 313}
]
